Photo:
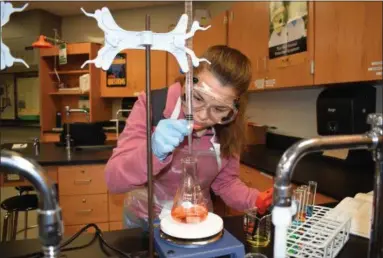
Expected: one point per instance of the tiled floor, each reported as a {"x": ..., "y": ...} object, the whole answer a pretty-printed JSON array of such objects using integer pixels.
[{"x": 18, "y": 134}]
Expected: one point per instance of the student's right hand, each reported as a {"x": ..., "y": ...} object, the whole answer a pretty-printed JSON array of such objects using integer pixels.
[{"x": 168, "y": 134}]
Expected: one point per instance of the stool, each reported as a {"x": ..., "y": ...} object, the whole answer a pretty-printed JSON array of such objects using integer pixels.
[{"x": 14, "y": 205}]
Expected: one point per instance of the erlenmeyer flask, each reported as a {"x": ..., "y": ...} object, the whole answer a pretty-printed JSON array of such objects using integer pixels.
[{"x": 189, "y": 204}]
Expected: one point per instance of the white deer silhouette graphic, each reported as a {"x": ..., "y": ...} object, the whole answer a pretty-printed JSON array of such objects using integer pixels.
[{"x": 117, "y": 39}]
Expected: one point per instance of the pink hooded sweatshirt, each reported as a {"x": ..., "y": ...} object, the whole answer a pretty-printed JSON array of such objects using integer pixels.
[{"x": 126, "y": 170}]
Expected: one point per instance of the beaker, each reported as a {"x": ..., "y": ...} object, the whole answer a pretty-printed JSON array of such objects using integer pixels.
[
  {"x": 190, "y": 205},
  {"x": 257, "y": 228}
]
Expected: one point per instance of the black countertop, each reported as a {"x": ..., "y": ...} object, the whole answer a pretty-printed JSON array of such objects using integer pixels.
[
  {"x": 51, "y": 154},
  {"x": 335, "y": 178},
  {"x": 135, "y": 241}
]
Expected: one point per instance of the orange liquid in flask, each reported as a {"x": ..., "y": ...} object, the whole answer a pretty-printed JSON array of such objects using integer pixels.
[
  {"x": 189, "y": 203},
  {"x": 195, "y": 214}
]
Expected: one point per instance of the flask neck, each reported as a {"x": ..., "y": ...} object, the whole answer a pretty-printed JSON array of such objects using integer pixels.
[{"x": 189, "y": 166}]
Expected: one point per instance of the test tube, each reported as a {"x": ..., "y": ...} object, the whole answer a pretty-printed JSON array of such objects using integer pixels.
[
  {"x": 302, "y": 211},
  {"x": 312, "y": 189},
  {"x": 297, "y": 198}
]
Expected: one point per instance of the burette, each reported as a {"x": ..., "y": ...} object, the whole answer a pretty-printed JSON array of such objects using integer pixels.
[{"x": 189, "y": 80}]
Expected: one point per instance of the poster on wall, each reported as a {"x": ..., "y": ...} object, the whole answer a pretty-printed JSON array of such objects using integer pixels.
[
  {"x": 116, "y": 74},
  {"x": 288, "y": 28}
]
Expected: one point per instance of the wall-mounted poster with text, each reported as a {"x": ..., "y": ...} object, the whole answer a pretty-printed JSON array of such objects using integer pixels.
[
  {"x": 116, "y": 74},
  {"x": 288, "y": 28}
]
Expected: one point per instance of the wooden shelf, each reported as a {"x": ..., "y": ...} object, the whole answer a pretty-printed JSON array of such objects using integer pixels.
[
  {"x": 70, "y": 72},
  {"x": 72, "y": 49},
  {"x": 70, "y": 92},
  {"x": 54, "y": 99}
]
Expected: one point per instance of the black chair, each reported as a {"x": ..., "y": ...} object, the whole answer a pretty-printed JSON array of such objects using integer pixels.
[{"x": 13, "y": 205}]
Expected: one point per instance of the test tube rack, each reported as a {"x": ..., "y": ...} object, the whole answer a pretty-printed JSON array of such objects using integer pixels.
[{"x": 322, "y": 235}]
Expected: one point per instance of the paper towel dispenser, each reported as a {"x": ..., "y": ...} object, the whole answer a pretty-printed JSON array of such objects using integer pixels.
[{"x": 344, "y": 109}]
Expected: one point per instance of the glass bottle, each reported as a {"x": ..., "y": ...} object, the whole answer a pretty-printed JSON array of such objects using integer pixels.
[{"x": 189, "y": 204}]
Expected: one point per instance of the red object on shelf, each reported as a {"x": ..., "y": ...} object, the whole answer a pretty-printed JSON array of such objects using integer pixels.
[{"x": 42, "y": 43}]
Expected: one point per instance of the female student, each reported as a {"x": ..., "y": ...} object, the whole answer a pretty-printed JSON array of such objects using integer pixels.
[{"x": 219, "y": 103}]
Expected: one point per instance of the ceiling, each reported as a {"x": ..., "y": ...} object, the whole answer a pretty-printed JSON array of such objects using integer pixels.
[{"x": 67, "y": 8}]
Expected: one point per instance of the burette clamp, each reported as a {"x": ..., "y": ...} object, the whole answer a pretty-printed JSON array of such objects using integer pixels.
[
  {"x": 7, "y": 60},
  {"x": 117, "y": 39}
]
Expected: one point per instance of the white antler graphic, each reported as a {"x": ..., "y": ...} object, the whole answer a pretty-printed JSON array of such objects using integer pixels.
[
  {"x": 7, "y": 60},
  {"x": 117, "y": 39}
]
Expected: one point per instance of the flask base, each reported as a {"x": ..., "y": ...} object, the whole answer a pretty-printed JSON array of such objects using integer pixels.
[{"x": 211, "y": 226}]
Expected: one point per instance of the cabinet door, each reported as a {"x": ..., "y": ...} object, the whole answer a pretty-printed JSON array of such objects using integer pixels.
[
  {"x": 295, "y": 69},
  {"x": 248, "y": 32},
  {"x": 202, "y": 40},
  {"x": 136, "y": 74},
  {"x": 348, "y": 39}
]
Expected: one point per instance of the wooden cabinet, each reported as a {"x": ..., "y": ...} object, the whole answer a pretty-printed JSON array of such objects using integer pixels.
[
  {"x": 87, "y": 179},
  {"x": 84, "y": 199},
  {"x": 215, "y": 35},
  {"x": 344, "y": 40},
  {"x": 116, "y": 204},
  {"x": 53, "y": 99},
  {"x": 348, "y": 39},
  {"x": 136, "y": 76},
  {"x": 249, "y": 31},
  {"x": 262, "y": 181},
  {"x": 84, "y": 208},
  {"x": 71, "y": 230}
]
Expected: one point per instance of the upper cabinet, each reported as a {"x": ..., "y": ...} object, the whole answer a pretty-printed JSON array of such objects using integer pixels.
[
  {"x": 215, "y": 35},
  {"x": 294, "y": 44},
  {"x": 348, "y": 41},
  {"x": 248, "y": 31},
  {"x": 278, "y": 38},
  {"x": 136, "y": 74}
]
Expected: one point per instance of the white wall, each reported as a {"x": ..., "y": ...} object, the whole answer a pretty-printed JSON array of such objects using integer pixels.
[{"x": 293, "y": 112}]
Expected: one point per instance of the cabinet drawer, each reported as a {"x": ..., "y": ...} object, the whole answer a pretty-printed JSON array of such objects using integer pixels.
[
  {"x": 115, "y": 226},
  {"x": 116, "y": 205},
  {"x": 50, "y": 137},
  {"x": 51, "y": 173},
  {"x": 81, "y": 180},
  {"x": 71, "y": 230},
  {"x": 84, "y": 209}
]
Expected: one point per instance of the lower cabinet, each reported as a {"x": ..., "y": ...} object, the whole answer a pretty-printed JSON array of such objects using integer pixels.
[
  {"x": 84, "y": 199},
  {"x": 262, "y": 181},
  {"x": 71, "y": 230}
]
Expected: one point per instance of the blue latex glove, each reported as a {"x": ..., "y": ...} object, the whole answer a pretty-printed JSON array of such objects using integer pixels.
[{"x": 168, "y": 134}]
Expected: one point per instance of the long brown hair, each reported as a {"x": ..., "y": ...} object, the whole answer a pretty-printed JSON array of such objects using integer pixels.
[{"x": 232, "y": 69}]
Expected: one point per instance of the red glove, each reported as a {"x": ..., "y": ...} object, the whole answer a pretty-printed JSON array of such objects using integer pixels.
[{"x": 264, "y": 200}]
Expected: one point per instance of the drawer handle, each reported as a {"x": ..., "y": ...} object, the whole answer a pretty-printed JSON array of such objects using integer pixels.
[
  {"x": 85, "y": 211},
  {"x": 81, "y": 182}
]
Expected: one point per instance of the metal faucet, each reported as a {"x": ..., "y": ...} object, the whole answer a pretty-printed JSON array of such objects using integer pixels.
[
  {"x": 68, "y": 111},
  {"x": 372, "y": 140},
  {"x": 36, "y": 146},
  {"x": 49, "y": 212},
  {"x": 117, "y": 121}
]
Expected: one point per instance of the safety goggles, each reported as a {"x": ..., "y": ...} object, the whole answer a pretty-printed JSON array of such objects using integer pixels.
[{"x": 220, "y": 109}]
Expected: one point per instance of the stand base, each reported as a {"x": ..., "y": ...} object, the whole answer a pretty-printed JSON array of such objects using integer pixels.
[{"x": 227, "y": 245}]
